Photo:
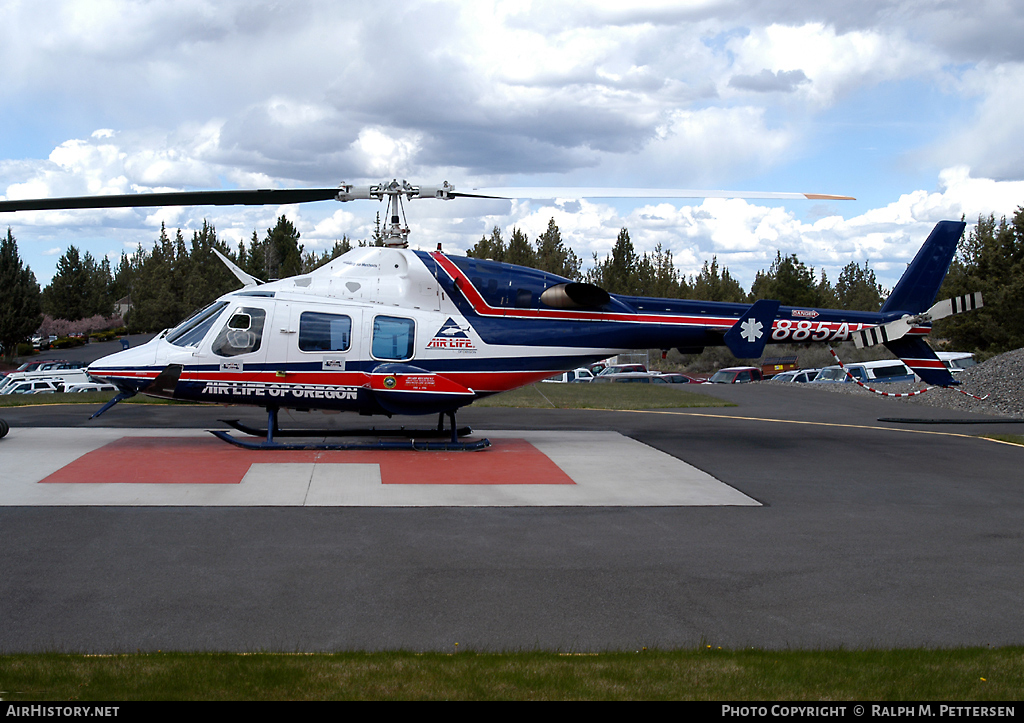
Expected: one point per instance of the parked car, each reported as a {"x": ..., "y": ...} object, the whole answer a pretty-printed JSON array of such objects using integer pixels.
[
  {"x": 37, "y": 387},
  {"x": 885, "y": 370},
  {"x": 33, "y": 366},
  {"x": 956, "y": 361},
  {"x": 630, "y": 378},
  {"x": 63, "y": 377},
  {"x": 55, "y": 365},
  {"x": 677, "y": 378},
  {"x": 623, "y": 368},
  {"x": 800, "y": 376},
  {"x": 736, "y": 375},
  {"x": 575, "y": 376},
  {"x": 89, "y": 387}
]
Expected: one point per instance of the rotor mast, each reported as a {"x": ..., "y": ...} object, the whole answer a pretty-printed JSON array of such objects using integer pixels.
[{"x": 396, "y": 229}]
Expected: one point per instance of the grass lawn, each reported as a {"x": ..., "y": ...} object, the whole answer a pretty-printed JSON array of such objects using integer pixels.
[{"x": 707, "y": 674}]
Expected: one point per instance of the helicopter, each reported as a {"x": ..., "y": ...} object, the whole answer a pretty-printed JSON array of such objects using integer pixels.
[{"x": 395, "y": 331}]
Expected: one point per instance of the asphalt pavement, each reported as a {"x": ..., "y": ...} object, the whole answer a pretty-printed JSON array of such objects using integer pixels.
[{"x": 868, "y": 535}]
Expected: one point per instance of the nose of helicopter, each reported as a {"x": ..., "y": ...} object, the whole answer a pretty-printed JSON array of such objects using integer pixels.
[{"x": 129, "y": 370}]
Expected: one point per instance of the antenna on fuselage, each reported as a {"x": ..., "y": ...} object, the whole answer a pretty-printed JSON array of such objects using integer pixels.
[{"x": 246, "y": 279}]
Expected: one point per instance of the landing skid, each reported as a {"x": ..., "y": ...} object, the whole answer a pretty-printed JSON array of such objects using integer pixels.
[
  {"x": 416, "y": 439},
  {"x": 401, "y": 432}
]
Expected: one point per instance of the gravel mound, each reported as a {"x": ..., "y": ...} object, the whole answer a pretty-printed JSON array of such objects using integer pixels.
[{"x": 1001, "y": 378}]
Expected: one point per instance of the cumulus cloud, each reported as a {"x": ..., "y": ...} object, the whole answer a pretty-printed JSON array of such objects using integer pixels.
[
  {"x": 255, "y": 93},
  {"x": 783, "y": 81},
  {"x": 989, "y": 139}
]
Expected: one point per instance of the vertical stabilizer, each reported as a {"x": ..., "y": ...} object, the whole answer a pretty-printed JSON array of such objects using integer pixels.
[{"x": 917, "y": 289}]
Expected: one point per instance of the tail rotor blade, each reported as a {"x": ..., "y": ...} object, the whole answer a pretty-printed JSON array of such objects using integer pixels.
[
  {"x": 956, "y": 305},
  {"x": 900, "y": 327}
]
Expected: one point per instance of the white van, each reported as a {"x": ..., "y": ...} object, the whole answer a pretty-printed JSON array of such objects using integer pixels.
[
  {"x": 956, "y": 361},
  {"x": 40, "y": 386},
  {"x": 575, "y": 376},
  {"x": 884, "y": 370},
  {"x": 63, "y": 377}
]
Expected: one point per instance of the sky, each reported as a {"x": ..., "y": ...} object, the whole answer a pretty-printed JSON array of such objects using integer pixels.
[{"x": 912, "y": 107}]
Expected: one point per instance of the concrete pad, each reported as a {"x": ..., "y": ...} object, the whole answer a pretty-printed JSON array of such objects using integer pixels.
[{"x": 70, "y": 466}]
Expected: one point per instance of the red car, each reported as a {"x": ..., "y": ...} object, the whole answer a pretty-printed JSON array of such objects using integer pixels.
[
  {"x": 676, "y": 378},
  {"x": 736, "y": 375}
]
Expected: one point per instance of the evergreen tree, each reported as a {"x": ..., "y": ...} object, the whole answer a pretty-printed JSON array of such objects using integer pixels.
[
  {"x": 662, "y": 279},
  {"x": 123, "y": 280},
  {"x": 492, "y": 248},
  {"x": 790, "y": 282},
  {"x": 20, "y": 302},
  {"x": 378, "y": 235},
  {"x": 79, "y": 289},
  {"x": 158, "y": 302},
  {"x": 619, "y": 272},
  {"x": 714, "y": 285},
  {"x": 990, "y": 259},
  {"x": 857, "y": 288},
  {"x": 519, "y": 250},
  {"x": 827, "y": 297},
  {"x": 284, "y": 249},
  {"x": 311, "y": 261},
  {"x": 124, "y": 283},
  {"x": 623, "y": 268},
  {"x": 254, "y": 260},
  {"x": 205, "y": 277},
  {"x": 553, "y": 256}
]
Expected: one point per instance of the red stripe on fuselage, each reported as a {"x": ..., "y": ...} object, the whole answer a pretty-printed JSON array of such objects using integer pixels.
[
  {"x": 481, "y": 307},
  {"x": 924, "y": 363},
  {"x": 478, "y": 381}
]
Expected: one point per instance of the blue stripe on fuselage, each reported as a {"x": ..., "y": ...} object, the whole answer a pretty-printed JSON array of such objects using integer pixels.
[{"x": 500, "y": 284}]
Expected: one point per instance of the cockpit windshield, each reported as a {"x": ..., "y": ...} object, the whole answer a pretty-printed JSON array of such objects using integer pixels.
[{"x": 191, "y": 331}]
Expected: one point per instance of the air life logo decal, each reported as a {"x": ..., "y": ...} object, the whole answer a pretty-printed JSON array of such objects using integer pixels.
[{"x": 452, "y": 336}]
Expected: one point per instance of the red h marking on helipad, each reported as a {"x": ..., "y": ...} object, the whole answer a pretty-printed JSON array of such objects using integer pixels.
[{"x": 200, "y": 460}]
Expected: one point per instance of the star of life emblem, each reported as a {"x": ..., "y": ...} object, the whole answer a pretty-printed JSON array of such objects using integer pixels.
[{"x": 751, "y": 330}]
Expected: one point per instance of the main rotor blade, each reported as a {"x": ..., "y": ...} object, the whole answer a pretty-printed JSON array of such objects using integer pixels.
[
  {"x": 584, "y": 192},
  {"x": 261, "y": 197},
  {"x": 268, "y": 196}
]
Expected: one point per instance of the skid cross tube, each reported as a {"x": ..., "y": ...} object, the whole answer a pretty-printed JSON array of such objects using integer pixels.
[{"x": 416, "y": 439}]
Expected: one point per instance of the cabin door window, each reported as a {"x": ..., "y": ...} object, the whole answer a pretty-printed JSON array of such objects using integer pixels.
[{"x": 394, "y": 338}]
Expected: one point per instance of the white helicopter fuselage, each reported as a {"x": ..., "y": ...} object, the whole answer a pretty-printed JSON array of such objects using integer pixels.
[
  {"x": 373, "y": 331},
  {"x": 395, "y": 331}
]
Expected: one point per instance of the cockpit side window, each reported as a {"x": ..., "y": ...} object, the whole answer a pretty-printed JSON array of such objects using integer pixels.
[
  {"x": 191, "y": 331},
  {"x": 393, "y": 338},
  {"x": 324, "y": 332},
  {"x": 242, "y": 334}
]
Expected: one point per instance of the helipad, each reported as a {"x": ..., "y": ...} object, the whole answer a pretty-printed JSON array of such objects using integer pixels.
[{"x": 66, "y": 467}]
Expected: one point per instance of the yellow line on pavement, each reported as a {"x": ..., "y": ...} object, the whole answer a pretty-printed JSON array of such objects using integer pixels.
[{"x": 816, "y": 424}]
